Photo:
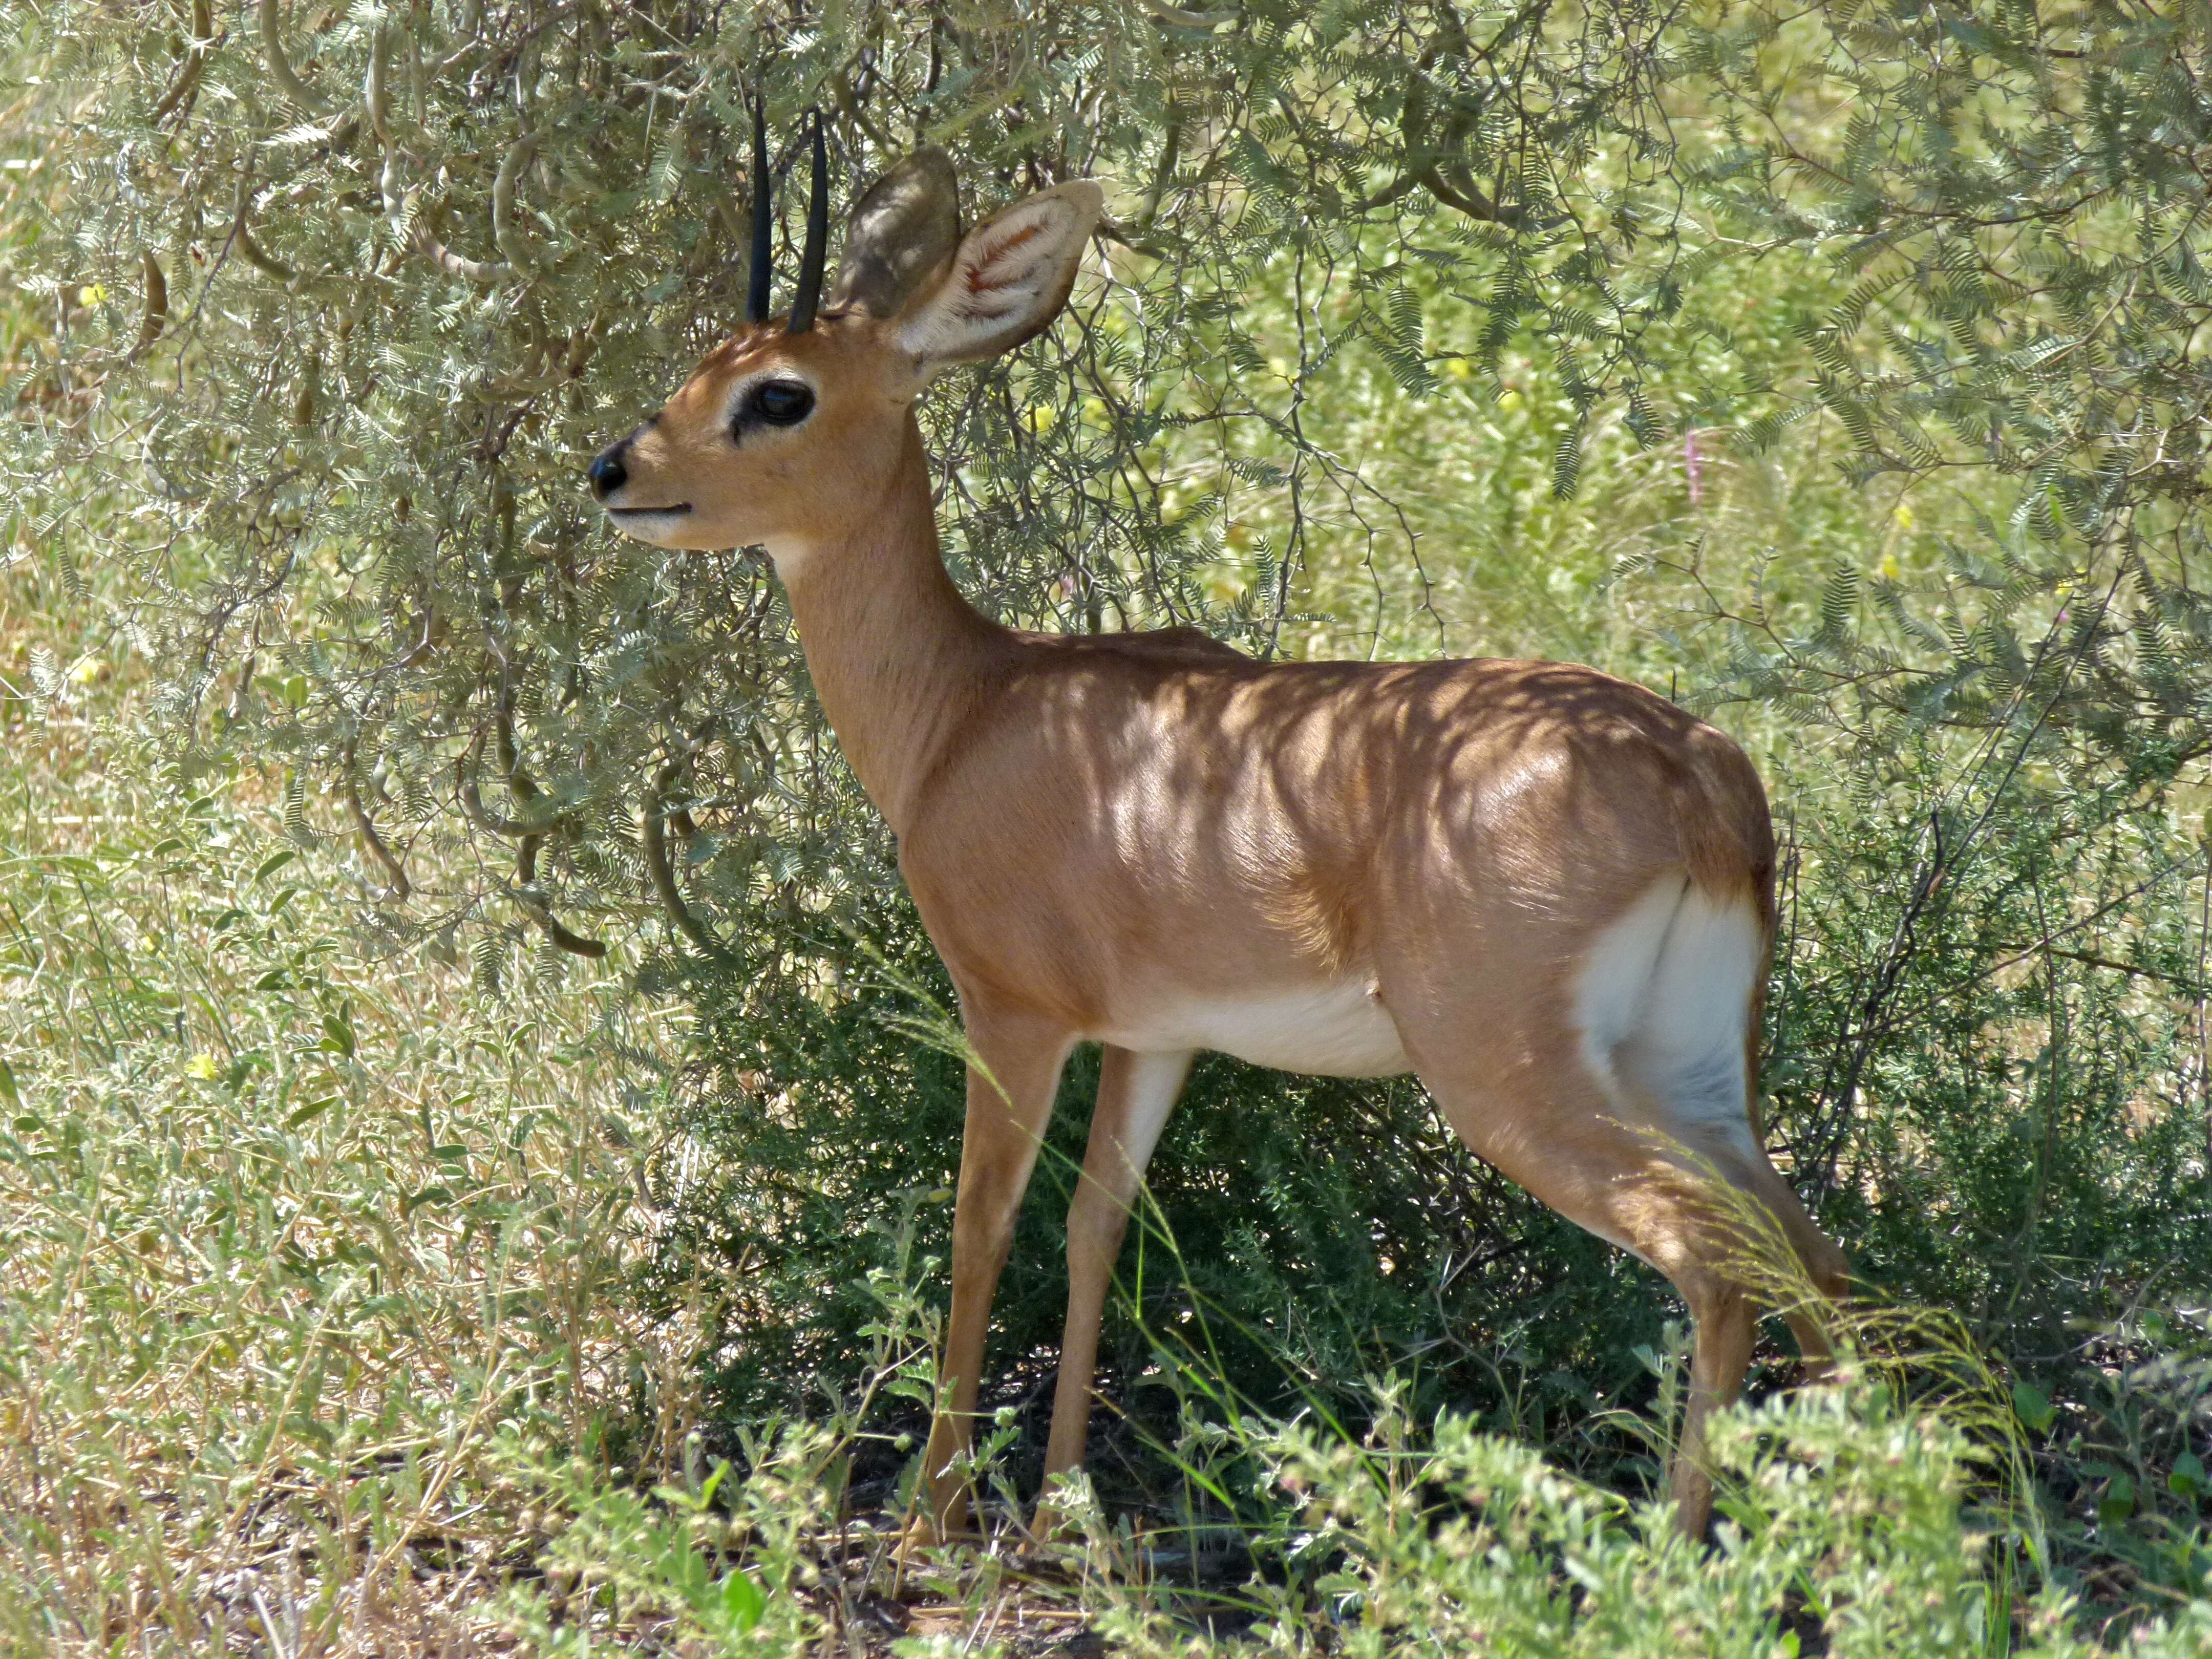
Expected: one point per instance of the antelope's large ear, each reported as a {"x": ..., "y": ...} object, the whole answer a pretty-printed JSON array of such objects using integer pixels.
[
  {"x": 899, "y": 235},
  {"x": 1009, "y": 278}
]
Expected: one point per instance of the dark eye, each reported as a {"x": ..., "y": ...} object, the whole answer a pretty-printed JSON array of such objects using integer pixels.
[{"x": 783, "y": 403}]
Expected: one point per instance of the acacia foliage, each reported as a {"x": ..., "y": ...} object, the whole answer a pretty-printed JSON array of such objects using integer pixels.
[
  {"x": 349, "y": 295},
  {"x": 342, "y": 297}
]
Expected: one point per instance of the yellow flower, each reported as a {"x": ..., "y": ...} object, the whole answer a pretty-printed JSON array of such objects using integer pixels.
[{"x": 201, "y": 1066}]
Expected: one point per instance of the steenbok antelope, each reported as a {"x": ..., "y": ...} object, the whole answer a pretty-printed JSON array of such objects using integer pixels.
[{"x": 1548, "y": 893}]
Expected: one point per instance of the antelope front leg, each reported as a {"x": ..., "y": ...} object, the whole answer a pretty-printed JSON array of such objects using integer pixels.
[
  {"x": 1006, "y": 1114},
  {"x": 1135, "y": 1094}
]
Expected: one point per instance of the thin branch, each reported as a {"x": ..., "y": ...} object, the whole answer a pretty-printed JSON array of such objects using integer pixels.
[
  {"x": 1177, "y": 17},
  {"x": 242, "y": 238},
  {"x": 542, "y": 823},
  {"x": 399, "y": 200},
  {"x": 655, "y": 838},
  {"x": 280, "y": 67},
  {"x": 534, "y": 906},
  {"x": 841, "y": 93},
  {"x": 1469, "y": 199},
  {"x": 1171, "y": 152},
  {"x": 181, "y": 92},
  {"x": 402, "y": 889},
  {"x": 503, "y": 234},
  {"x": 156, "y": 316}
]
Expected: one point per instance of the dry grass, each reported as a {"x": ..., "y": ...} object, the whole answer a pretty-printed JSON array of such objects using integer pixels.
[
  {"x": 318, "y": 1266},
  {"x": 306, "y": 1251}
]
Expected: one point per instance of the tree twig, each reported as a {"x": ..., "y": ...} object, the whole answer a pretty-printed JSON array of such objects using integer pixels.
[
  {"x": 655, "y": 835},
  {"x": 242, "y": 238},
  {"x": 196, "y": 56},
  {"x": 402, "y": 889},
  {"x": 534, "y": 906},
  {"x": 280, "y": 67},
  {"x": 544, "y": 823},
  {"x": 399, "y": 199},
  {"x": 156, "y": 316},
  {"x": 1178, "y": 17},
  {"x": 503, "y": 234}
]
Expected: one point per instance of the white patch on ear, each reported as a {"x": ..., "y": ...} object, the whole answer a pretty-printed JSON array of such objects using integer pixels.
[{"x": 1009, "y": 278}]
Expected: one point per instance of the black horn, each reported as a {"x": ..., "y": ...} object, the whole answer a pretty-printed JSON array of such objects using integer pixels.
[
  {"x": 763, "y": 219},
  {"x": 818, "y": 240}
]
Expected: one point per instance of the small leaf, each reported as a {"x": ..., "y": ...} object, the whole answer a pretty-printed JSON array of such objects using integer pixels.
[
  {"x": 2119, "y": 1499},
  {"x": 486, "y": 954},
  {"x": 1567, "y": 464},
  {"x": 1405, "y": 308},
  {"x": 685, "y": 1570},
  {"x": 2186, "y": 1478},
  {"x": 742, "y": 1600},
  {"x": 2033, "y": 1406},
  {"x": 1838, "y": 599},
  {"x": 309, "y": 1112}
]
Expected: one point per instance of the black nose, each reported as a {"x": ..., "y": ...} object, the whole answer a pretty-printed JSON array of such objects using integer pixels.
[{"x": 607, "y": 472}]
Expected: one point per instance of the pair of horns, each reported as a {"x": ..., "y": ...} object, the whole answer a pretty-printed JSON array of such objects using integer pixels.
[
  {"x": 903, "y": 232},
  {"x": 808, "y": 295}
]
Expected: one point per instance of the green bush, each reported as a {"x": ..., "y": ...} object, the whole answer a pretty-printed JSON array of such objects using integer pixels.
[{"x": 1851, "y": 1524}]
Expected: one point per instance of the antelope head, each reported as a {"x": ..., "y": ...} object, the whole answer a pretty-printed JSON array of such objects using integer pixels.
[{"x": 787, "y": 434}]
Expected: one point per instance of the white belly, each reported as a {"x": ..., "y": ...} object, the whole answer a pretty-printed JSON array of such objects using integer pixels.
[{"x": 1340, "y": 1030}]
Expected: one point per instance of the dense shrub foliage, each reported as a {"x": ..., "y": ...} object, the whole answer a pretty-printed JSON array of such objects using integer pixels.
[{"x": 1839, "y": 370}]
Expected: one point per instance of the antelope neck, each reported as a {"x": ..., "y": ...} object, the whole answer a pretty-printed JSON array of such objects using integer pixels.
[{"x": 897, "y": 653}]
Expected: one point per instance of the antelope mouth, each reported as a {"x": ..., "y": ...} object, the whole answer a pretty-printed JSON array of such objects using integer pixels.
[{"x": 623, "y": 514}]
